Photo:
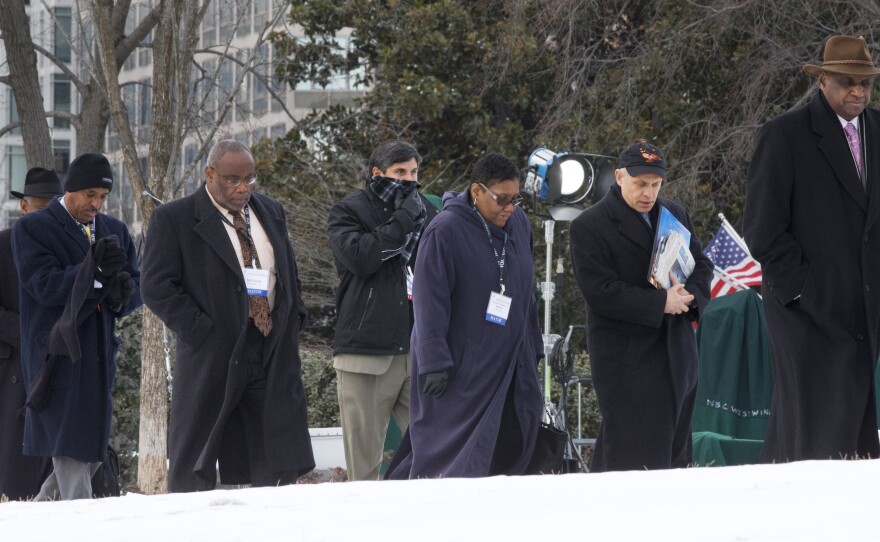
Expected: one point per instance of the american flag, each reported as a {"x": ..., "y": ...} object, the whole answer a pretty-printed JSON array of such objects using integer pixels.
[{"x": 728, "y": 256}]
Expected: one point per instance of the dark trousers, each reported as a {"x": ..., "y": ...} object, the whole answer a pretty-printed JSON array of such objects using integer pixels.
[{"x": 251, "y": 411}]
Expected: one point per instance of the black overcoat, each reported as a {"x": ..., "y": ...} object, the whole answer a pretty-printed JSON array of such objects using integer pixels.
[
  {"x": 644, "y": 362},
  {"x": 49, "y": 248},
  {"x": 193, "y": 281},
  {"x": 20, "y": 476},
  {"x": 816, "y": 233}
]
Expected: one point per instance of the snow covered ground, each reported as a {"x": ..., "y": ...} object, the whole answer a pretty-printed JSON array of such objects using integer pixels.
[{"x": 806, "y": 501}]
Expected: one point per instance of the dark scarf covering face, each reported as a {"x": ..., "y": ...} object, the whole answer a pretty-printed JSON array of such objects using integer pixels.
[{"x": 391, "y": 191}]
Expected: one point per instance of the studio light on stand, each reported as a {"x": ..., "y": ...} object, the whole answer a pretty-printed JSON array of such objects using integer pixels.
[{"x": 562, "y": 182}]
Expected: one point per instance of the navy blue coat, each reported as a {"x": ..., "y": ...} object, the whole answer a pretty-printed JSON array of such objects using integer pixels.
[
  {"x": 20, "y": 476},
  {"x": 456, "y": 270},
  {"x": 643, "y": 361},
  {"x": 193, "y": 282},
  {"x": 49, "y": 248}
]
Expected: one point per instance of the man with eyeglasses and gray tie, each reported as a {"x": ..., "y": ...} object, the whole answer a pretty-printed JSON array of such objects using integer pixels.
[
  {"x": 811, "y": 220},
  {"x": 220, "y": 271}
]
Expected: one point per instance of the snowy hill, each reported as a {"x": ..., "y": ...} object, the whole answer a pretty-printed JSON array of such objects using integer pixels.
[{"x": 806, "y": 501}]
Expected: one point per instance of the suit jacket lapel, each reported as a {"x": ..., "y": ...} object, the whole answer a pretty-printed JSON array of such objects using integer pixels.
[
  {"x": 209, "y": 227},
  {"x": 69, "y": 225},
  {"x": 833, "y": 145},
  {"x": 630, "y": 224}
]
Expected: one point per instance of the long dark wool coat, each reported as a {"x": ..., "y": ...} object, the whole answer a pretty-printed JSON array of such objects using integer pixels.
[
  {"x": 456, "y": 270},
  {"x": 20, "y": 476},
  {"x": 49, "y": 249},
  {"x": 644, "y": 362},
  {"x": 816, "y": 233},
  {"x": 192, "y": 280}
]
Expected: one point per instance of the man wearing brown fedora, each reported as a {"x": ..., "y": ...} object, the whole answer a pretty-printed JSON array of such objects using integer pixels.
[
  {"x": 20, "y": 475},
  {"x": 812, "y": 219}
]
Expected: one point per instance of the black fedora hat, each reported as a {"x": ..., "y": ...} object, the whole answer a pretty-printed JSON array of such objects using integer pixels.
[{"x": 40, "y": 183}]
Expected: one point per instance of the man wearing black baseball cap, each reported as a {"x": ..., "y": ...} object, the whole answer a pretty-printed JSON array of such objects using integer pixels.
[
  {"x": 20, "y": 476},
  {"x": 643, "y": 352},
  {"x": 78, "y": 271}
]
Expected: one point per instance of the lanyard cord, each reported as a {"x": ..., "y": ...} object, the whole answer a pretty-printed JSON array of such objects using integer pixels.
[
  {"x": 247, "y": 234},
  {"x": 499, "y": 259}
]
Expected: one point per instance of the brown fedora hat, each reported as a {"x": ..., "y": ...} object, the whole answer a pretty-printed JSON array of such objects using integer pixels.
[
  {"x": 846, "y": 55},
  {"x": 40, "y": 183}
]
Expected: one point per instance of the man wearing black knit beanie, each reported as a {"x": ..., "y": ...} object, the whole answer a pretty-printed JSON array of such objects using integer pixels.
[{"x": 78, "y": 273}]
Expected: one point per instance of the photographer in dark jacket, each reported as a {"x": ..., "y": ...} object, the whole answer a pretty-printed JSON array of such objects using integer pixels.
[{"x": 374, "y": 234}]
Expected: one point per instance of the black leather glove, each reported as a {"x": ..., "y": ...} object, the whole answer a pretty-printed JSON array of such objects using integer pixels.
[
  {"x": 409, "y": 203},
  {"x": 109, "y": 258},
  {"x": 119, "y": 291},
  {"x": 436, "y": 383}
]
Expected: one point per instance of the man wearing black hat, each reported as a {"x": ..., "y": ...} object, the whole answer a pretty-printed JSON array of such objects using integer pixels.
[
  {"x": 20, "y": 476},
  {"x": 643, "y": 352},
  {"x": 71, "y": 259},
  {"x": 812, "y": 219}
]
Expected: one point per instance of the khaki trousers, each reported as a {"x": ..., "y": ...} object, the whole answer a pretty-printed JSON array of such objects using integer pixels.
[{"x": 370, "y": 390}]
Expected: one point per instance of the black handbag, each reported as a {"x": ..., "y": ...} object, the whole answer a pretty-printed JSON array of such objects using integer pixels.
[{"x": 549, "y": 450}]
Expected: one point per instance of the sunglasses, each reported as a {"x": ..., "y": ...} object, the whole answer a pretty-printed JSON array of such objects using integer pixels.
[{"x": 502, "y": 201}]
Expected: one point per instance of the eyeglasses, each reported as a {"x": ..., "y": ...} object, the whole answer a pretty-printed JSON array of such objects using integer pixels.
[
  {"x": 234, "y": 182},
  {"x": 849, "y": 82},
  {"x": 502, "y": 201}
]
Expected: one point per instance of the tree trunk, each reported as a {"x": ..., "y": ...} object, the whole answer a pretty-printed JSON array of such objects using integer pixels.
[
  {"x": 94, "y": 117},
  {"x": 25, "y": 83},
  {"x": 153, "y": 430}
]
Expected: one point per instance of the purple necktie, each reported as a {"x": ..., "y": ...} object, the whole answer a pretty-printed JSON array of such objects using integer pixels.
[{"x": 852, "y": 137}]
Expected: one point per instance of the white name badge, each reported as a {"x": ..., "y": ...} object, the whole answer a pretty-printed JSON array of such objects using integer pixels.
[
  {"x": 499, "y": 308},
  {"x": 409, "y": 283},
  {"x": 256, "y": 280}
]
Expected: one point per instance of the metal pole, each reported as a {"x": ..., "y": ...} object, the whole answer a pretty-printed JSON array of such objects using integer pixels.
[{"x": 547, "y": 290}]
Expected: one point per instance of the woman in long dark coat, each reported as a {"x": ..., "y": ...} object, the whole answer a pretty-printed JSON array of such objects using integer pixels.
[{"x": 475, "y": 402}]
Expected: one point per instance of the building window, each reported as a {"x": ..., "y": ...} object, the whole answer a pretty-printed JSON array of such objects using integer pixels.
[
  {"x": 262, "y": 14},
  {"x": 209, "y": 26},
  {"x": 61, "y": 99},
  {"x": 13, "y": 112},
  {"x": 62, "y": 33},
  {"x": 145, "y": 108},
  {"x": 131, "y": 61},
  {"x": 17, "y": 167},
  {"x": 226, "y": 11},
  {"x": 145, "y": 54},
  {"x": 61, "y": 152}
]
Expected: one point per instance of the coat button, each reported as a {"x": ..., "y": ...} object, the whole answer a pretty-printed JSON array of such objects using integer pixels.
[
  {"x": 238, "y": 287},
  {"x": 866, "y": 237},
  {"x": 867, "y": 288},
  {"x": 400, "y": 349},
  {"x": 14, "y": 379},
  {"x": 235, "y": 362},
  {"x": 860, "y": 337}
]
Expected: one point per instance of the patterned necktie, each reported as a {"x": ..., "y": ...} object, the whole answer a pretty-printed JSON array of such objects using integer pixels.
[
  {"x": 852, "y": 137},
  {"x": 259, "y": 310}
]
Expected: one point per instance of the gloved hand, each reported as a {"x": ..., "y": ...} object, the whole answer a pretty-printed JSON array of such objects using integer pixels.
[
  {"x": 109, "y": 258},
  {"x": 436, "y": 383},
  {"x": 410, "y": 203},
  {"x": 119, "y": 291}
]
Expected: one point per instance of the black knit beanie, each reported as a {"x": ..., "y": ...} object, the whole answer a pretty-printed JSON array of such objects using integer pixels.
[{"x": 89, "y": 171}]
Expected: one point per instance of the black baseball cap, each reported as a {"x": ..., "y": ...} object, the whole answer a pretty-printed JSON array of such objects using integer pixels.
[{"x": 643, "y": 158}]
